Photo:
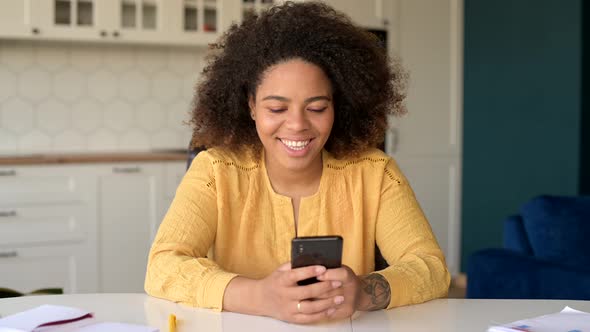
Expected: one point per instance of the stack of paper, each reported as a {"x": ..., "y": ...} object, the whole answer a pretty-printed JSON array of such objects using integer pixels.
[
  {"x": 566, "y": 320},
  {"x": 52, "y": 318}
]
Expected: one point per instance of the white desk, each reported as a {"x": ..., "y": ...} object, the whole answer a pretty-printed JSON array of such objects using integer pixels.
[{"x": 438, "y": 315}]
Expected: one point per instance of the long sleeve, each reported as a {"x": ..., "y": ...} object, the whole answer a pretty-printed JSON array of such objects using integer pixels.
[
  {"x": 178, "y": 268},
  {"x": 417, "y": 271}
]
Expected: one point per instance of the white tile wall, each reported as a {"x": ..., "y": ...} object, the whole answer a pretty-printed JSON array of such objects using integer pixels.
[{"x": 61, "y": 97}]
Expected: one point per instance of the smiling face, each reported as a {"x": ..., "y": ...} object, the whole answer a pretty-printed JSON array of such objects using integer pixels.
[{"x": 294, "y": 113}]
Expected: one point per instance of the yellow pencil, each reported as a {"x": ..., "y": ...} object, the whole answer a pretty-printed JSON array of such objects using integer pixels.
[{"x": 172, "y": 323}]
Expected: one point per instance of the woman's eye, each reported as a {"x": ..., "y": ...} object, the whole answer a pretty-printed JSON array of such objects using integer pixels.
[
  {"x": 317, "y": 110},
  {"x": 277, "y": 110}
]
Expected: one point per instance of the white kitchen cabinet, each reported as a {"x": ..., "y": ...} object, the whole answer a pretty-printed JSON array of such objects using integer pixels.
[
  {"x": 139, "y": 21},
  {"x": 48, "y": 228},
  {"x": 367, "y": 13},
  {"x": 65, "y": 19},
  {"x": 427, "y": 142},
  {"x": 71, "y": 267},
  {"x": 195, "y": 22},
  {"x": 128, "y": 215},
  {"x": 13, "y": 20},
  {"x": 173, "y": 174},
  {"x": 166, "y": 22},
  {"x": 251, "y": 7},
  {"x": 93, "y": 20},
  {"x": 83, "y": 228}
]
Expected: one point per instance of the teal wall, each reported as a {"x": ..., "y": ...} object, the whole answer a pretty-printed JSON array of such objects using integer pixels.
[
  {"x": 522, "y": 109},
  {"x": 585, "y": 119}
]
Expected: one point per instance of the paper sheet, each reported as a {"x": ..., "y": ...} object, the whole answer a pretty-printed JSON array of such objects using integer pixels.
[
  {"x": 568, "y": 320},
  {"x": 34, "y": 319}
]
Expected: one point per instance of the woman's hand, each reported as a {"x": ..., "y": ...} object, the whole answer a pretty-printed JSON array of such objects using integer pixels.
[
  {"x": 367, "y": 292},
  {"x": 281, "y": 297},
  {"x": 350, "y": 290}
]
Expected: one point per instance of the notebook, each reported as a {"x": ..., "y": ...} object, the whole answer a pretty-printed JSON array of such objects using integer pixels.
[{"x": 53, "y": 318}]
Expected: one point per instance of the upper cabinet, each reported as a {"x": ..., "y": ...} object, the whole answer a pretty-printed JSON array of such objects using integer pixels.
[
  {"x": 164, "y": 22},
  {"x": 193, "y": 22},
  {"x": 12, "y": 19},
  {"x": 68, "y": 19},
  {"x": 252, "y": 7},
  {"x": 185, "y": 22},
  {"x": 367, "y": 13}
]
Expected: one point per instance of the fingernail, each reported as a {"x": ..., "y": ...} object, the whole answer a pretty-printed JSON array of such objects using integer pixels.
[
  {"x": 336, "y": 284},
  {"x": 320, "y": 269},
  {"x": 331, "y": 311},
  {"x": 339, "y": 299}
]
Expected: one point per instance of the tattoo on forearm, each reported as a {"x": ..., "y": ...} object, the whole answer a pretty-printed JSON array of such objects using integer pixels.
[{"x": 377, "y": 288}]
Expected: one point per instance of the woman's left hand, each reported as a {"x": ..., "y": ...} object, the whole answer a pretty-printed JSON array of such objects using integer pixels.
[{"x": 350, "y": 290}]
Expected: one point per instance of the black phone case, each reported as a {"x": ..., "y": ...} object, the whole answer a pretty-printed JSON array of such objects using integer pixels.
[{"x": 316, "y": 250}]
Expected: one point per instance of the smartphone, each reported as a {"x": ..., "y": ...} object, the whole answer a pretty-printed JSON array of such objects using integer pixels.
[{"x": 316, "y": 250}]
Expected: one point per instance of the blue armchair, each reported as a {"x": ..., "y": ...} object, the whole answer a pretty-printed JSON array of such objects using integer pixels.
[{"x": 546, "y": 254}]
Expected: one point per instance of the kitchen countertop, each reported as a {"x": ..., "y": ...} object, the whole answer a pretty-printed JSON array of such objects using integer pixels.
[{"x": 102, "y": 157}]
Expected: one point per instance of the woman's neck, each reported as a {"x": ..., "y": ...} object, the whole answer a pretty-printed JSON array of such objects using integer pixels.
[{"x": 294, "y": 183}]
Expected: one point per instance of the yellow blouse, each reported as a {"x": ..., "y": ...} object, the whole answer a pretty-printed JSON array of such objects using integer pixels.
[{"x": 226, "y": 220}]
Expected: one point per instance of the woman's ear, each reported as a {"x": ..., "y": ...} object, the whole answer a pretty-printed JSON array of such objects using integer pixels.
[{"x": 251, "y": 105}]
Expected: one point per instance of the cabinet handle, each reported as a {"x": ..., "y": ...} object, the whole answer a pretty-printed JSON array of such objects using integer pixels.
[
  {"x": 8, "y": 254},
  {"x": 103, "y": 33},
  {"x": 9, "y": 172},
  {"x": 116, "y": 34},
  {"x": 135, "y": 169},
  {"x": 6, "y": 214},
  {"x": 35, "y": 31}
]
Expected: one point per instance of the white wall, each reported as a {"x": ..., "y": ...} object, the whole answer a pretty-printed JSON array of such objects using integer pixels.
[{"x": 61, "y": 97}]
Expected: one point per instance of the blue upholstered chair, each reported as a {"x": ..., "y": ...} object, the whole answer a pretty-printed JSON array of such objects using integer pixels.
[{"x": 546, "y": 254}]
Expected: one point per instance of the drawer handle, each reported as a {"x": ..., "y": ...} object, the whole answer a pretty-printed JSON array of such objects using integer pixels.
[
  {"x": 8, "y": 254},
  {"x": 5, "y": 214},
  {"x": 126, "y": 170},
  {"x": 9, "y": 172}
]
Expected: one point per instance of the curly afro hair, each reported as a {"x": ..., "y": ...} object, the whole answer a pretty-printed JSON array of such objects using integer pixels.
[{"x": 367, "y": 86}]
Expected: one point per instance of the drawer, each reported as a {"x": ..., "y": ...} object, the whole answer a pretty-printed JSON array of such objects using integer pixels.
[
  {"x": 44, "y": 224},
  {"x": 24, "y": 185},
  {"x": 72, "y": 268}
]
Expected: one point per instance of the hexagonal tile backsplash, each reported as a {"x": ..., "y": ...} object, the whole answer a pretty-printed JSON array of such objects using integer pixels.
[{"x": 61, "y": 97}]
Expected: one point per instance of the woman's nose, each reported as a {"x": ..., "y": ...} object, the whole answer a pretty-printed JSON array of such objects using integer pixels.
[{"x": 297, "y": 120}]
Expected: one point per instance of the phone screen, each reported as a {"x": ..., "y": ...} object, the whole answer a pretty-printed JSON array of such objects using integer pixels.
[{"x": 316, "y": 250}]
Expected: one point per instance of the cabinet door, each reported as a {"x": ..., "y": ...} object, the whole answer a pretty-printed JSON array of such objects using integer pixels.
[
  {"x": 173, "y": 174},
  {"x": 193, "y": 22},
  {"x": 66, "y": 19},
  {"x": 128, "y": 198},
  {"x": 13, "y": 21},
  {"x": 32, "y": 185},
  {"x": 427, "y": 141},
  {"x": 72, "y": 268},
  {"x": 139, "y": 20},
  {"x": 367, "y": 13},
  {"x": 43, "y": 224}
]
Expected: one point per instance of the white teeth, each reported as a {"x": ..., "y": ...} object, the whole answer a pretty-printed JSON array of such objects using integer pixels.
[{"x": 295, "y": 145}]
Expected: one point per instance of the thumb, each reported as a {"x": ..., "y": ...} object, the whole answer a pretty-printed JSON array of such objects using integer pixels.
[{"x": 285, "y": 267}]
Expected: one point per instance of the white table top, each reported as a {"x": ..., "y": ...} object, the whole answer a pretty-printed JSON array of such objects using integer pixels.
[{"x": 438, "y": 315}]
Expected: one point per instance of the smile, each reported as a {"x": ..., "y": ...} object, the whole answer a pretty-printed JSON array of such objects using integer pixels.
[{"x": 295, "y": 145}]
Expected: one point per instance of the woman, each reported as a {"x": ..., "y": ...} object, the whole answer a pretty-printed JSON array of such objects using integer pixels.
[{"x": 291, "y": 107}]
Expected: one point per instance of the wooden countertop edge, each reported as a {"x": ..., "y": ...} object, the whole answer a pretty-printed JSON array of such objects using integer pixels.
[{"x": 92, "y": 158}]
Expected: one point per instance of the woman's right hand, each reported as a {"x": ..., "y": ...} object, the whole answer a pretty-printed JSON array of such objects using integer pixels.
[{"x": 281, "y": 297}]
